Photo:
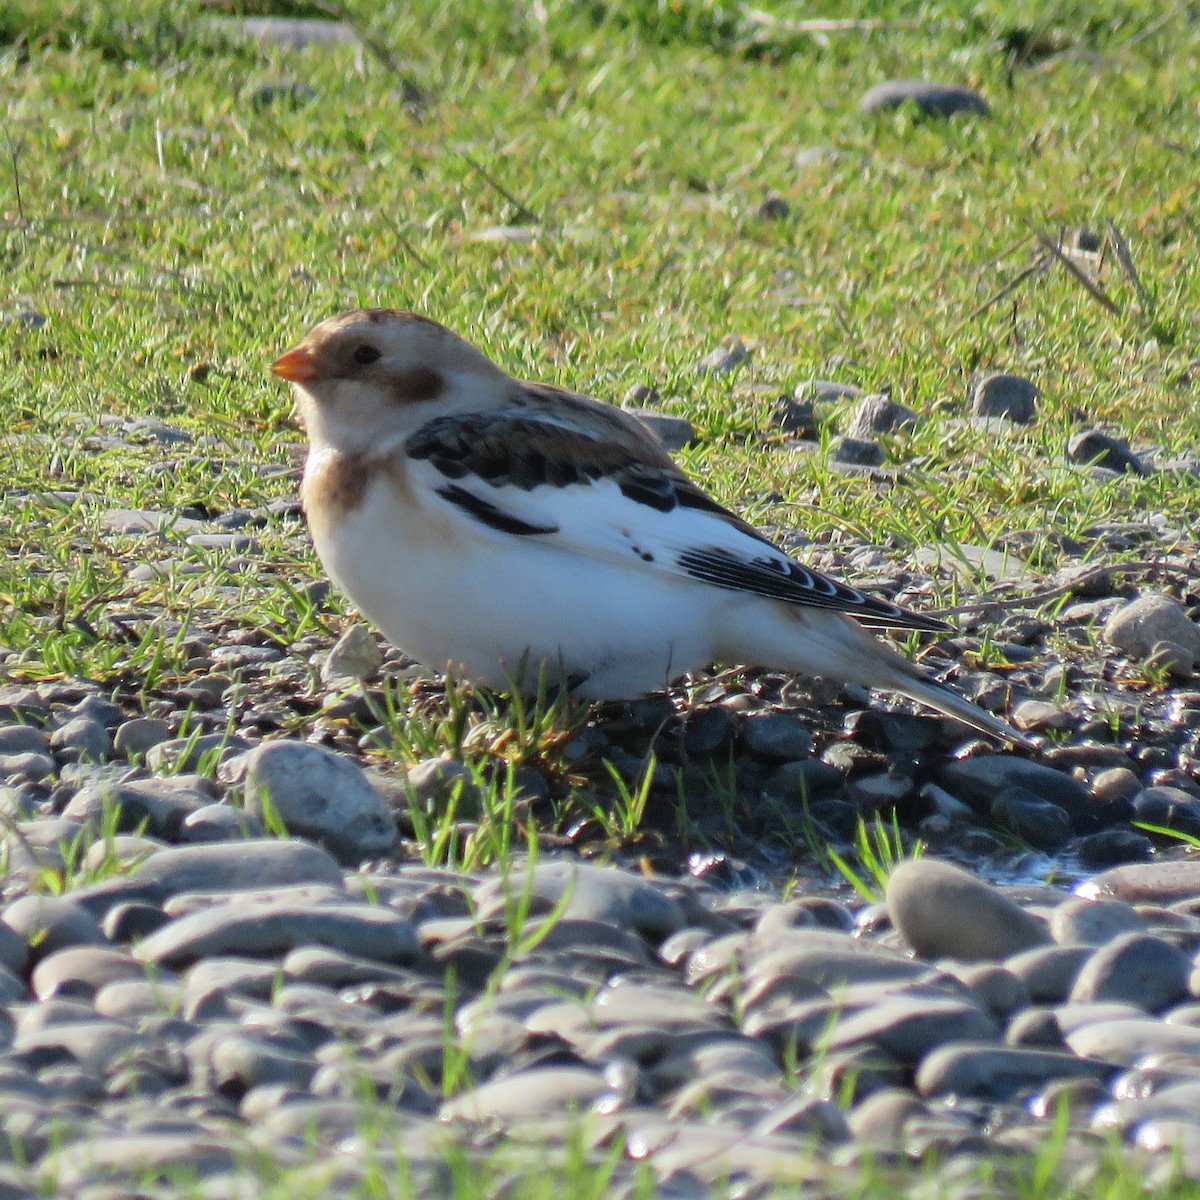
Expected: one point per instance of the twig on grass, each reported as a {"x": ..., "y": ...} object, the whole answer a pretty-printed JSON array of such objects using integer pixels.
[
  {"x": 1089, "y": 285},
  {"x": 1125, "y": 261},
  {"x": 1037, "y": 599},
  {"x": 14, "y": 158},
  {"x": 413, "y": 95},
  {"x": 1038, "y": 264},
  {"x": 524, "y": 214}
]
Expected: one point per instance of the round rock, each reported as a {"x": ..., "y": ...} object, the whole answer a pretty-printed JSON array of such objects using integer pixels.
[
  {"x": 321, "y": 795},
  {"x": 879, "y": 413},
  {"x": 943, "y": 912},
  {"x": 355, "y": 658},
  {"x": 1156, "y": 625},
  {"x": 1093, "y": 448},
  {"x": 50, "y": 923},
  {"x": 999, "y": 394},
  {"x": 1135, "y": 968},
  {"x": 1080, "y": 922}
]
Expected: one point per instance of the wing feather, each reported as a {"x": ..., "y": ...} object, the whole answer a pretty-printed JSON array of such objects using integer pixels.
[{"x": 520, "y": 474}]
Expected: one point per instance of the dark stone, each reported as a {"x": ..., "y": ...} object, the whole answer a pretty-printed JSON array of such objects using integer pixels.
[
  {"x": 857, "y": 452},
  {"x": 1099, "y": 449},
  {"x": 932, "y": 98},
  {"x": 1168, "y": 807},
  {"x": 1111, "y": 847},
  {"x": 978, "y": 780},
  {"x": 1039, "y": 822}
]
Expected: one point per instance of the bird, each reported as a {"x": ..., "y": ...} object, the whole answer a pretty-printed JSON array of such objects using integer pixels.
[{"x": 499, "y": 530}]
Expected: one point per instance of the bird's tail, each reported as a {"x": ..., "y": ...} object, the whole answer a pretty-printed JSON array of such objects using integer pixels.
[
  {"x": 912, "y": 682},
  {"x": 837, "y": 647}
]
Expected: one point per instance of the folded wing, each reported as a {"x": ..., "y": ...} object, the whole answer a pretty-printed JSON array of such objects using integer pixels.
[{"x": 519, "y": 475}]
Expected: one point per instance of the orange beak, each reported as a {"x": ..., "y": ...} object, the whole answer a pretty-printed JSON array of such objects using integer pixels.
[{"x": 297, "y": 365}]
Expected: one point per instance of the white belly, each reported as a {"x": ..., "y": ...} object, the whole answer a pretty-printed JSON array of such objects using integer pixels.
[{"x": 497, "y": 608}]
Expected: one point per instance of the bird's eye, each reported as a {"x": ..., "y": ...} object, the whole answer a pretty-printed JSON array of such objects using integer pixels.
[{"x": 365, "y": 355}]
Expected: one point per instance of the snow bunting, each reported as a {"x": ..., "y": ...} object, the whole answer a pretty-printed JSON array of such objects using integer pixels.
[{"x": 495, "y": 529}]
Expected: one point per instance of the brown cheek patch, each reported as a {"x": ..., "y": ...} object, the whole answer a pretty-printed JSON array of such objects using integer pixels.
[{"x": 417, "y": 385}]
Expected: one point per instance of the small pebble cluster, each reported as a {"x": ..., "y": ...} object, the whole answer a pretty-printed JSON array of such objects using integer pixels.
[{"x": 169, "y": 1031}]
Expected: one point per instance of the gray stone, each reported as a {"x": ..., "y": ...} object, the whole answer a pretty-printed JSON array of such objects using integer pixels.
[
  {"x": 1115, "y": 784},
  {"x": 23, "y": 739},
  {"x": 14, "y": 952},
  {"x": 268, "y": 929},
  {"x": 1127, "y": 1040},
  {"x": 774, "y": 208},
  {"x": 271, "y": 862},
  {"x": 969, "y": 562},
  {"x": 980, "y": 778},
  {"x": 94, "y": 1043},
  {"x": 1079, "y": 922},
  {"x": 135, "y": 737},
  {"x": 909, "y": 1028},
  {"x": 434, "y": 783},
  {"x": 1135, "y": 968},
  {"x": 156, "y": 806},
  {"x": 1038, "y": 715},
  {"x": 354, "y": 658},
  {"x": 592, "y": 892},
  {"x": 1009, "y": 396},
  {"x": 131, "y": 1157},
  {"x": 1168, "y": 808},
  {"x": 208, "y": 986},
  {"x": 50, "y": 923},
  {"x": 131, "y": 999},
  {"x": 1146, "y": 883},
  {"x": 857, "y": 452},
  {"x": 943, "y": 912},
  {"x": 672, "y": 432},
  {"x": 818, "y": 391},
  {"x": 879, "y": 1119},
  {"x": 81, "y": 971},
  {"x": 130, "y": 521},
  {"x": 288, "y": 33},
  {"x": 81, "y": 739},
  {"x": 193, "y": 753},
  {"x": 225, "y": 543},
  {"x": 242, "y": 1061},
  {"x": 1049, "y": 971},
  {"x": 932, "y": 98},
  {"x": 26, "y": 765},
  {"x": 1093, "y": 447},
  {"x": 219, "y": 822},
  {"x": 797, "y": 417},
  {"x": 528, "y": 1095},
  {"x": 133, "y": 919},
  {"x": 989, "y": 1071},
  {"x": 879, "y": 413},
  {"x": 1156, "y": 626},
  {"x": 332, "y": 968},
  {"x": 727, "y": 357},
  {"x": 322, "y": 795},
  {"x": 998, "y": 989},
  {"x": 1112, "y": 847}
]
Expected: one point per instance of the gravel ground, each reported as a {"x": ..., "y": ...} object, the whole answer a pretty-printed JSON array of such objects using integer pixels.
[{"x": 181, "y": 988}]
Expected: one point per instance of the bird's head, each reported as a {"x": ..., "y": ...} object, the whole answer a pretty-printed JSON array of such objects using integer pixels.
[{"x": 369, "y": 377}]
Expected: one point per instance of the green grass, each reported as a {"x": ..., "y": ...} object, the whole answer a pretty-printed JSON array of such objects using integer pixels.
[
  {"x": 578, "y": 192},
  {"x": 171, "y": 229}
]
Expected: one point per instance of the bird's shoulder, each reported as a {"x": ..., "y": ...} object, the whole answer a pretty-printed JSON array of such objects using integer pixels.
[{"x": 547, "y": 437}]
